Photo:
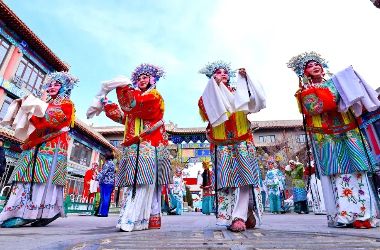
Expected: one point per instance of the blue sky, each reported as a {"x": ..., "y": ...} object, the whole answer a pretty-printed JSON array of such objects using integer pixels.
[{"x": 103, "y": 39}]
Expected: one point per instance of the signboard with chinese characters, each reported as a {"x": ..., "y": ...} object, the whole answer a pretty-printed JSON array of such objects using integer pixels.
[{"x": 11, "y": 88}]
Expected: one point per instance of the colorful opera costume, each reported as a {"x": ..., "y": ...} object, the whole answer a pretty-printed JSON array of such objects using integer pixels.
[
  {"x": 40, "y": 174},
  {"x": 275, "y": 184},
  {"x": 235, "y": 165},
  {"x": 295, "y": 171},
  {"x": 178, "y": 191},
  {"x": 145, "y": 164},
  {"x": 341, "y": 154},
  {"x": 207, "y": 187}
]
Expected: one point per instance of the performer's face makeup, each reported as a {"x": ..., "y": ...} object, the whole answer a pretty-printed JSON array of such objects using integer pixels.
[
  {"x": 178, "y": 174},
  {"x": 314, "y": 69},
  {"x": 222, "y": 74},
  {"x": 270, "y": 165},
  {"x": 54, "y": 88},
  {"x": 143, "y": 82}
]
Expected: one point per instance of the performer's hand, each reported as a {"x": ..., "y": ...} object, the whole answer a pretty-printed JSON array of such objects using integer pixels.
[
  {"x": 217, "y": 80},
  {"x": 104, "y": 101},
  {"x": 44, "y": 95},
  {"x": 242, "y": 72},
  {"x": 19, "y": 101}
]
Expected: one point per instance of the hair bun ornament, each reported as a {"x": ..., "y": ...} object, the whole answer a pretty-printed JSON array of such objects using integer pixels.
[
  {"x": 298, "y": 63},
  {"x": 210, "y": 68},
  {"x": 147, "y": 69}
]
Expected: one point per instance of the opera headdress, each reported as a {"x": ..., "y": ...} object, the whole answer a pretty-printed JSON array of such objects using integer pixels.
[
  {"x": 210, "y": 68},
  {"x": 147, "y": 69},
  {"x": 67, "y": 80}
]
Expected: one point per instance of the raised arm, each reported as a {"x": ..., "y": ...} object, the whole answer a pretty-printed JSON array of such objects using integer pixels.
[
  {"x": 143, "y": 105},
  {"x": 113, "y": 111}
]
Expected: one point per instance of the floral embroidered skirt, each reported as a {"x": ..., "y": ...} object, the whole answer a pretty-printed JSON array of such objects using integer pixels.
[
  {"x": 234, "y": 203},
  {"x": 349, "y": 197},
  {"x": 46, "y": 203},
  {"x": 177, "y": 203},
  {"x": 274, "y": 196},
  {"x": 135, "y": 213}
]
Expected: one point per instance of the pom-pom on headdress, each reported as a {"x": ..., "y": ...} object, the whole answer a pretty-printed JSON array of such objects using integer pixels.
[
  {"x": 67, "y": 80},
  {"x": 298, "y": 63},
  {"x": 210, "y": 68},
  {"x": 147, "y": 69}
]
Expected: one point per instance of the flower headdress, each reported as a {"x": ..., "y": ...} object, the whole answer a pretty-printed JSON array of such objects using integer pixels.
[
  {"x": 147, "y": 69},
  {"x": 207, "y": 164},
  {"x": 273, "y": 161},
  {"x": 210, "y": 68},
  {"x": 67, "y": 80},
  {"x": 298, "y": 63},
  {"x": 178, "y": 170}
]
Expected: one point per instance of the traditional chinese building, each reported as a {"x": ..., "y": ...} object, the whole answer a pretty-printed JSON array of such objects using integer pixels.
[{"x": 25, "y": 60}]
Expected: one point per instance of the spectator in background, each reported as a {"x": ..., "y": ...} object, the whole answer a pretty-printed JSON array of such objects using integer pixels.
[
  {"x": 199, "y": 178},
  {"x": 106, "y": 179},
  {"x": 87, "y": 196}
]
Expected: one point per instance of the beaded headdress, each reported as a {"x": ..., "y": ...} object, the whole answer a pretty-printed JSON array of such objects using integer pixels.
[
  {"x": 147, "y": 69},
  {"x": 298, "y": 63},
  {"x": 67, "y": 80},
  {"x": 210, "y": 68},
  {"x": 273, "y": 161}
]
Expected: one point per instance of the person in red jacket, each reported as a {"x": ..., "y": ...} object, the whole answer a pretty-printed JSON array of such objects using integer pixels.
[
  {"x": 87, "y": 196},
  {"x": 40, "y": 175},
  {"x": 145, "y": 164}
]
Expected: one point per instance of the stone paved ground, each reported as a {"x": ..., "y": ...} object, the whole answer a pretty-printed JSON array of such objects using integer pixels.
[{"x": 190, "y": 231}]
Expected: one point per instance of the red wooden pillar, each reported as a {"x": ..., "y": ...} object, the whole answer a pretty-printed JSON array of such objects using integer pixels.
[{"x": 12, "y": 64}]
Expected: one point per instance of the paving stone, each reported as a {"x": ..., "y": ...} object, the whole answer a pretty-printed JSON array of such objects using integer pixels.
[{"x": 190, "y": 231}]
